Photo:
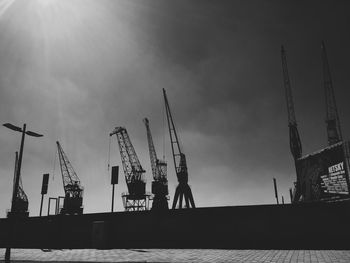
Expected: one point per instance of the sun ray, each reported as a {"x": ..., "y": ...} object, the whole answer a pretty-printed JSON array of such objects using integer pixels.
[{"x": 4, "y": 6}]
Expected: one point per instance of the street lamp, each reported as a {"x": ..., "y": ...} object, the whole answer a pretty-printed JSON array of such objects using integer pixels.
[
  {"x": 18, "y": 170},
  {"x": 18, "y": 174}
]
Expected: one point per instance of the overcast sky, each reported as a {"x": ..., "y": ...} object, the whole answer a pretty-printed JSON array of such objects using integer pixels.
[{"x": 74, "y": 69}]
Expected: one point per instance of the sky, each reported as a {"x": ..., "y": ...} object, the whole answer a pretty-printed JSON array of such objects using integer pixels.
[{"x": 73, "y": 70}]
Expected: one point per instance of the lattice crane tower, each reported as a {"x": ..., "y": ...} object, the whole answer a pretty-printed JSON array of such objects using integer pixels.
[
  {"x": 183, "y": 190},
  {"x": 334, "y": 134},
  {"x": 73, "y": 199},
  {"x": 136, "y": 198},
  {"x": 159, "y": 171},
  {"x": 294, "y": 138}
]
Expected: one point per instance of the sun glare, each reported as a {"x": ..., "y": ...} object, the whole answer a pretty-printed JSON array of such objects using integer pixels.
[
  {"x": 4, "y": 5},
  {"x": 46, "y": 2}
]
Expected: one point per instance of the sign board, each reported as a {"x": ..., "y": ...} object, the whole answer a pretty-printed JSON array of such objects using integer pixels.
[
  {"x": 115, "y": 172},
  {"x": 324, "y": 175},
  {"x": 45, "y": 184}
]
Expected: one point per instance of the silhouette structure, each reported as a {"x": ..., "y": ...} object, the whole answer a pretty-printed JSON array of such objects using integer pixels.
[
  {"x": 322, "y": 176},
  {"x": 136, "y": 198},
  {"x": 21, "y": 199},
  {"x": 73, "y": 199},
  {"x": 19, "y": 203},
  {"x": 183, "y": 190},
  {"x": 334, "y": 134},
  {"x": 294, "y": 138},
  {"x": 159, "y": 171}
]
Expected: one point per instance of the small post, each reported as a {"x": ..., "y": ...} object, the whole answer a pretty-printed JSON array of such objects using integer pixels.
[
  {"x": 59, "y": 203},
  {"x": 112, "y": 198},
  {"x": 282, "y": 200},
  {"x": 114, "y": 181},
  {"x": 8, "y": 255},
  {"x": 44, "y": 190},
  {"x": 291, "y": 195},
  {"x": 48, "y": 208},
  {"x": 275, "y": 186}
]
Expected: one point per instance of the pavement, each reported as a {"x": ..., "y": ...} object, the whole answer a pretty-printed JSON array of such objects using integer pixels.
[{"x": 178, "y": 255}]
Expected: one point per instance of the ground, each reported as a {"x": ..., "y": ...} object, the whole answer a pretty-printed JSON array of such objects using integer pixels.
[{"x": 178, "y": 255}]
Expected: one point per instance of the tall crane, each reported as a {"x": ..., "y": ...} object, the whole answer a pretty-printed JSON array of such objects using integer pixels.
[
  {"x": 334, "y": 134},
  {"x": 294, "y": 138},
  {"x": 73, "y": 199},
  {"x": 183, "y": 190},
  {"x": 136, "y": 199},
  {"x": 159, "y": 171}
]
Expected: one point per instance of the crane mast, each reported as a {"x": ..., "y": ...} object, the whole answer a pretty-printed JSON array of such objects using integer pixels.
[
  {"x": 136, "y": 199},
  {"x": 334, "y": 134},
  {"x": 73, "y": 199},
  {"x": 159, "y": 171},
  {"x": 21, "y": 200},
  {"x": 294, "y": 138},
  {"x": 183, "y": 190}
]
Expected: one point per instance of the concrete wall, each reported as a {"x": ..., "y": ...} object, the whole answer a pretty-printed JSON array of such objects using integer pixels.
[{"x": 307, "y": 226}]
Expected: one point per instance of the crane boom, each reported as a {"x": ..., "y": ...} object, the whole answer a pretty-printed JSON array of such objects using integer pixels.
[
  {"x": 133, "y": 170},
  {"x": 334, "y": 134},
  {"x": 73, "y": 199},
  {"x": 294, "y": 138},
  {"x": 136, "y": 198},
  {"x": 159, "y": 171},
  {"x": 183, "y": 190}
]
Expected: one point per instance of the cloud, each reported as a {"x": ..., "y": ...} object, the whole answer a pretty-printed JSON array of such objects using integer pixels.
[{"x": 73, "y": 70}]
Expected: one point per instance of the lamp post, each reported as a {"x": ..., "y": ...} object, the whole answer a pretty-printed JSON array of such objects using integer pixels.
[
  {"x": 18, "y": 171},
  {"x": 17, "y": 177}
]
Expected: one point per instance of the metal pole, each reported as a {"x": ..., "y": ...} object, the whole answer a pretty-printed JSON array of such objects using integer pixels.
[
  {"x": 41, "y": 204},
  {"x": 18, "y": 172},
  {"x": 282, "y": 200},
  {"x": 291, "y": 195},
  {"x": 48, "y": 207},
  {"x": 57, "y": 204},
  {"x": 14, "y": 195},
  {"x": 8, "y": 255},
  {"x": 113, "y": 197},
  {"x": 275, "y": 186}
]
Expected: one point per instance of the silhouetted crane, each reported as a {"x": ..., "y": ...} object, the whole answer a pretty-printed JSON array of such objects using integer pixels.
[
  {"x": 159, "y": 171},
  {"x": 136, "y": 199},
  {"x": 21, "y": 200},
  {"x": 334, "y": 134},
  {"x": 73, "y": 199},
  {"x": 294, "y": 138},
  {"x": 183, "y": 190}
]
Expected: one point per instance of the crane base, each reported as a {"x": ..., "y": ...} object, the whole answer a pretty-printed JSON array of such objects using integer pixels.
[
  {"x": 136, "y": 203},
  {"x": 183, "y": 191}
]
